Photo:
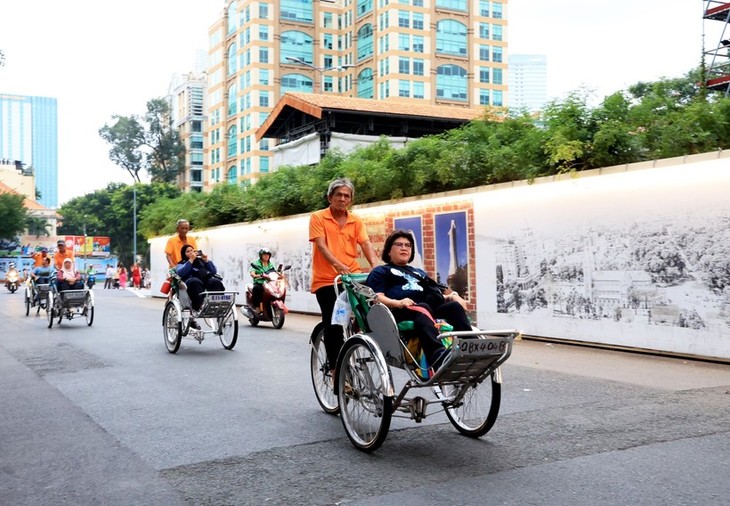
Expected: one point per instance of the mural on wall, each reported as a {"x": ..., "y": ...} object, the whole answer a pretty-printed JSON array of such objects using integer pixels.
[
  {"x": 452, "y": 251},
  {"x": 413, "y": 225},
  {"x": 663, "y": 260}
]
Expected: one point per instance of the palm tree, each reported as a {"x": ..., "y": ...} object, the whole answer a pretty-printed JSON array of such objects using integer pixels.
[{"x": 37, "y": 226}]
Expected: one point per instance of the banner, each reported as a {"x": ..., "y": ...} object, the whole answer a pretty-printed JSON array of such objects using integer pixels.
[{"x": 89, "y": 246}]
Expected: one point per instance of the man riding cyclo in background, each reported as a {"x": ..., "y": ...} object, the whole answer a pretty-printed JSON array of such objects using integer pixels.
[{"x": 259, "y": 269}]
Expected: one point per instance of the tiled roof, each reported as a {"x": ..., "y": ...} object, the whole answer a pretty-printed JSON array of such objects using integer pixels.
[{"x": 27, "y": 203}]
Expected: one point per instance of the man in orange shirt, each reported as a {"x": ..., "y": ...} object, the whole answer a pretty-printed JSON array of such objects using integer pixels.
[
  {"x": 335, "y": 234},
  {"x": 175, "y": 243},
  {"x": 62, "y": 254},
  {"x": 39, "y": 257}
]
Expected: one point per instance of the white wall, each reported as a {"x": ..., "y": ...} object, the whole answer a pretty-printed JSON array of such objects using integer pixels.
[{"x": 622, "y": 256}]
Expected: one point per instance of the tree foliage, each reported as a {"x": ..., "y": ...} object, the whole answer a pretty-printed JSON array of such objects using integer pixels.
[
  {"x": 150, "y": 143},
  {"x": 13, "y": 215}
]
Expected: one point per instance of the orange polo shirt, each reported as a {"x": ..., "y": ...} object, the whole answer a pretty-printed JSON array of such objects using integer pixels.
[
  {"x": 38, "y": 258},
  {"x": 175, "y": 244},
  {"x": 59, "y": 257},
  {"x": 342, "y": 242}
]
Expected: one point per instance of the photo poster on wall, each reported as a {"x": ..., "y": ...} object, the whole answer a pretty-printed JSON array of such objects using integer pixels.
[
  {"x": 452, "y": 251},
  {"x": 414, "y": 225}
]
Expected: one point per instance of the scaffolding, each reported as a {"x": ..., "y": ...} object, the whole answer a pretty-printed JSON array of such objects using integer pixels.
[{"x": 718, "y": 69}]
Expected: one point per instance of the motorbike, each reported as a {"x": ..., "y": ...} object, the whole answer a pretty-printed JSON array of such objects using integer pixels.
[
  {"x": 272, "y": 308},
  {"x": 91, "y": 280},
  {"x": 12, "y": 280}
]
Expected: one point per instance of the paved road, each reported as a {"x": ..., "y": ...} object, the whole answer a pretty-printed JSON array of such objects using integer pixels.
[{"x": 104, "y": 415}]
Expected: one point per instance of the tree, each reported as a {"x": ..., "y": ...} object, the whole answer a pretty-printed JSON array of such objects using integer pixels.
[
  {"x": 37, "y": 226},
  {"x": 149, "y": 143},
  {"x": 12, "y": 215}
]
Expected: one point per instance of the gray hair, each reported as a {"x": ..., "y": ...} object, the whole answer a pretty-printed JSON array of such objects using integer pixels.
[
  {"x": 180, "y": 222},
  {"x": 337, "y": 183}
]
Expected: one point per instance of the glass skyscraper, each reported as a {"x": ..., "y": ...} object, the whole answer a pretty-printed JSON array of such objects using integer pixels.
[{"x": 29, "y": 134}]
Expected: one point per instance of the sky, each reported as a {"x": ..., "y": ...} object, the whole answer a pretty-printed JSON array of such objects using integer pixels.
[{"x": 104, "y": 58}]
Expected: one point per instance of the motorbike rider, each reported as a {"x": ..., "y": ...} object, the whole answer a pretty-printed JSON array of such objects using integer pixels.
[
  {"x": 259, "y": 270},
  {"x": 11, "y": 276}
]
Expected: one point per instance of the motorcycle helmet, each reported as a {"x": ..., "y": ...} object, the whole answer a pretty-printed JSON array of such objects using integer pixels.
[
  {"x": 11, "y": 265},
  {"x": 264, "y": 251}
]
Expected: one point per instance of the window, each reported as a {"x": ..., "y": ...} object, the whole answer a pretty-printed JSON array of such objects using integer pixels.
[
  {"x": 418, "y": 90},
  {"x": 232, "y": 67},
  {"x": 454, "y": 5},
  {"x": 484, "y": 75},
  {"x": 264, "y": 76},
  {"x": 264, "y": 55},
  {"x": 483, "y": 52},
  {"x": 451, "y": 82},
  {"x": 496, "y": 32},
  {"x": 451, "y": 37},
  {"x": 328, "y": 41},
  {"x": 264, "y": 98},
  {"x": 483, "y": 97},
  {"x": 263, "y": 32},
  {"x": 296, "y": 82},
  {"x": 328, "y": 20},
  {"x": 365, "y": 85},
  {"x": 418, "y": 21},
  {"x": 296, "y": 10},
  {"x": 497, "y": 98},
  {"x": 232, "y": 99},
  {"x": 264, "y": 144},
  {"x": 497, "y": 76},
  {"x": 196, "y": 142},
  {"x": 264, "y": 11},
  {"x": 484, "y": 30},
  {"x": 418, "y": 43},
  {"x": 497, "y": 10},
  {"x": 232, "y": 175},
  {"x": 497, "y": 54},
  {"x": 404, "y": 65},
  {"x": 404, "y": 88},
  {"x": 365, "y": 42},
  {"x": 404, "y": 42},
  {"x": 404, "y": 20},
  {"x": 418, "y": 67},
  {"x": 232, "y": 18},
  {"x": 484, "y": 8},
  {"x": 264, "y": 164},
  {"x": 364, "y": 6},
  {"x": 232, "y": 141},
  {"x": 296, "y": 45}
]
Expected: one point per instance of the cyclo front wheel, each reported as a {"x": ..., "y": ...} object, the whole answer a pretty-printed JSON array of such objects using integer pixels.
[
  {"x": 89, "y": 310},
  {"x": 171, "y": 328},
  {"x": 365, "y": 410},
  {"x": 475, "y": 415},
  {"x": 49, "y": 309},
  {"x": 322, "y": 380},
  {"x": 228, "y": 331}
]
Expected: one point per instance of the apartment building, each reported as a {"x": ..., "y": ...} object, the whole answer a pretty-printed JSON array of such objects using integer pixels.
[
  {"x": 438, "y": 52},
  {"x": 187, "y": 99}
]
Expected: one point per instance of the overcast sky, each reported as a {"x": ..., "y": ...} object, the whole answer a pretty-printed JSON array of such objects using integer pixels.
[{"x": 100, "y": 58}]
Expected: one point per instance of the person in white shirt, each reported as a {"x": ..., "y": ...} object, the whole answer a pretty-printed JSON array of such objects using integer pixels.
[{"x": 109, "y": 277}]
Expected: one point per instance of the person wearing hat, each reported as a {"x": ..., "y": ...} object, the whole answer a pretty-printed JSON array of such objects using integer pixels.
[
  {"x": 39, "y": 257},
  {"x": 258, "y": 272},
  {"x": 68, "y": 277},
  {"x": 62, "y": 254}
]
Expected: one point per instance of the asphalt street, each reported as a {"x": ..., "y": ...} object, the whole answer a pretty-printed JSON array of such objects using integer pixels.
[{"x": 103, "y": 414}]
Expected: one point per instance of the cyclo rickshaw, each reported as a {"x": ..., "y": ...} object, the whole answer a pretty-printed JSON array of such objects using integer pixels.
[
  {"x": 467, "y": 387},
  {"x": 36, "y": 295},
  {"x": 217, "y": 311},
  {"x": 69, "y": 304}
]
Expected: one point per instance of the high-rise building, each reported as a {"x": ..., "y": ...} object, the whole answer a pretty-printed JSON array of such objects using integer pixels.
[
  {"x": 527, "y": 82},
  {"x": 29, "y": 135},
  {"x": 441, "y": 52},
  {"x": 187, "y": 104}
]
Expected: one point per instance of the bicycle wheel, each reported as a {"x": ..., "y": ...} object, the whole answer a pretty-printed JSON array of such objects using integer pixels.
[
  {"x": 171, "y": 328},
  {"x": 322, "y": 380},
  {"x": 27, "y": 304},
  {"x": 277, "y": 317},
  {"x": 89, "y": 311},
  {"x": 364, "y": 409},
  {"x": 228, "y": 331},
  {"x": 49, "y": 309},
  {"x": 478, "y": 410}
]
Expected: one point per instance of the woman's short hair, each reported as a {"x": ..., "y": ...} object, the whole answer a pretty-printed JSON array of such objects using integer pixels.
[
  {"x": 342, "y": 181},
  {"x": 397, "y": 234}
]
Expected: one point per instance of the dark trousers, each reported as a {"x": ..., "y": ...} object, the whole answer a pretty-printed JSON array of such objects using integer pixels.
[
  {"x": 423, "y": 326},
  {"x": 257, "y": 294},
  {"x": 197, "y": 287},
  {"x": 108, "y": 283},
  {"x": 333, "y": 334}
]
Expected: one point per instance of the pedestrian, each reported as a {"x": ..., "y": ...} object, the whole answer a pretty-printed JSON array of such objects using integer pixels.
[
  {"x": 109, "y": 277},
  {"x": 136, "y": 277},
  {"x": 122, "y": 276},
  {"x": 335, "y": 234}
]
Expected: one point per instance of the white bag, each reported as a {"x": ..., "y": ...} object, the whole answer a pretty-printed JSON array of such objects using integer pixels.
[{"x": 342, "y": 312}]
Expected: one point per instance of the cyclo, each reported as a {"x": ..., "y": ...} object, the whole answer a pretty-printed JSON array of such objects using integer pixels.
[
  {"x": 69, "y": 304},
  {"x": 467, "y": 387},
  {"x": 36, "y": 295},
  {"x": 217, "y": 311}
]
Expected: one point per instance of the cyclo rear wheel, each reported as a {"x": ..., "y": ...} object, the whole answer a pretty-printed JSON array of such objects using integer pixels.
[
  {"x": 479, "y": 408},
  {"x": 365, "y": 410},
  {"x": 322, "y": 380}
]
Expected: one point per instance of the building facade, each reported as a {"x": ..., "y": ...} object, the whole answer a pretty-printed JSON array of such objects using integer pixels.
[
  {"x": 441, "y": 52},
  {"x": 187, "y": 101},
  {"x": 29, "y": 135},
  {"x": 527, "y": 82}
]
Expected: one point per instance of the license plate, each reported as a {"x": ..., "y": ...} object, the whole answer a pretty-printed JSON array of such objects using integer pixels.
[
  {"x": 482, "y": 347},
  {"x": 225, "y": 297}
]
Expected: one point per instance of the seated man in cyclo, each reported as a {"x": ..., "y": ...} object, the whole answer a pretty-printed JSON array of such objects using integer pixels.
[
  {"x": 199, "y": 274},
  {"x": 68, "y": 278},
  {"x": 412, "y": 296},
  {"x": 41, "y": 275}
]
